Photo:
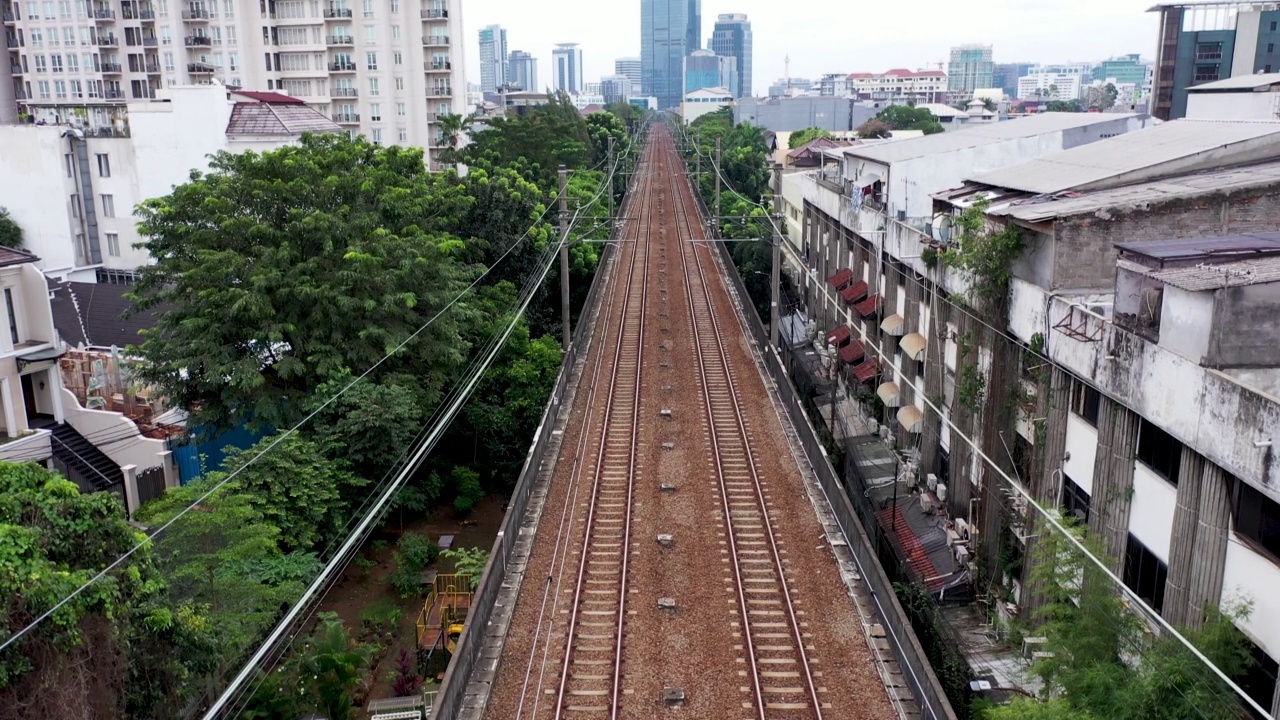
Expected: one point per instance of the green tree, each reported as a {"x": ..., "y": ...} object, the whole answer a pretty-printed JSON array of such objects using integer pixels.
[
  {"x": 296, "y": 488},
  {"x": 10, "y": 231},
  {"x": 466, "y": 483},
  {"x": 874, "y": 129},
  {"x": 368, "y": 429},
  {"x": 910, "y": 117},
  {"x": 1072, "y": 106},
  {"x": 287, "y": 269},
  {"x": 334, "y": 664},
  {"x": 534, "y": 144},
  {"x": 471, "y": 561},
  {"x": 800, "y": 137}
]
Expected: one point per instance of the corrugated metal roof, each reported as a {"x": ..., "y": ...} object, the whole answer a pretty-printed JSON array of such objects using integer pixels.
[
  {"x": 1242, "y": 82},
  {"x": 1217, "y": 246},
  {"x": 1147, "y": 149},
  {"x": 1212, "y": 277},
  {"x": 981, "y": 134},
  {"x": 1138, "y": 195},
  {"x": 269, "y": 119}
]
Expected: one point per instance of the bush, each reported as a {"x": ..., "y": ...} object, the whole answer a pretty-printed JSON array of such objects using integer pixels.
[
  {"x": 417, "y": 549},
  {"x": 467, "y": 483},
  {"x": 406, "y": 577}
]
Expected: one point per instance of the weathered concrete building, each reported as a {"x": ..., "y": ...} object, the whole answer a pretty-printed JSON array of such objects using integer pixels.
[{"x": 1110, "y": 377}]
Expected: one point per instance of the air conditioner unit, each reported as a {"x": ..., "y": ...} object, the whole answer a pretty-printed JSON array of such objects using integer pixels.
[
  {"x": 942, "y": 492},
  {"x": 873, "y": 427},
  {"x": 962, "y": 527},
  {"x": 885, "y": 432},
  {"x": 931, "y": 481},
  {"x": 926, "y": 506}
]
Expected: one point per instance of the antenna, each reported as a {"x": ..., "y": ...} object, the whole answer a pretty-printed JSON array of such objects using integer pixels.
[{"x": 787, "y": 64}]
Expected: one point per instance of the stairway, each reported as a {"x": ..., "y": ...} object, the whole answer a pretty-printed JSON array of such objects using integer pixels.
[{"x": 75, "y": 450}]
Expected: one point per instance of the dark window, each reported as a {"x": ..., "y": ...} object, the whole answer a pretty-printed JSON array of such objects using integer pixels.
[
  {"x": 1145, "y": 574},
  {"x": 1273, "y": 27},
  {"x": 1257, "y": 518},
  {"x": 1271, "y": 47},
  {"x": 1085, "y": 401},
  {"x": 1159, "y": 451},
  {"x": 1206, "y": 73},
  {"x": 13, "y": 315},
  {"x": 1259, "y": 679},
  {"x": 1075, "y": 500}
]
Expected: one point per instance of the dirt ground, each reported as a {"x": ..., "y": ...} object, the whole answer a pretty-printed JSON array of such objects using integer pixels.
[{"x": 359, "y": 587}]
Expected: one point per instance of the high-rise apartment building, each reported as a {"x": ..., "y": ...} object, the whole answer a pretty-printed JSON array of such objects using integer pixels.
[
  {"x": 630, "y": 67},
  {"x": 566, "y": 68},
  {"x": 385, "y": 68},
  {"x": 1055, "y": 82},
  {"x": 669, "y": 31},
  {"x": 493, "y": 58},
  {"x": 731, "y": 37},
  {"x": 522, "y": 70},
  {"x": 1203, "y": 42},
  {"x": 970, "y": 68},
  {"x": 705, "y": 69}
]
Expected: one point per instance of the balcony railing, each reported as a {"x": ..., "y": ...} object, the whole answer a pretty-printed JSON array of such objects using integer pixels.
[
  {"x": 113, "y": 94},
  {"x": 198, "y": 41},
  {"x": 334, "y": 13},
  {"x": 346, "y": 118},
  {"x": 342, "y": 40},
  {"x": 1209, "y": 55},
  {"x": 150, "y": 42},
  {"x": 153, "y": 68},
  {"x": 147, "y": 14},
  {"x": 200, "y": 68},
  {"x": 345, "y": 92},
  {"x": 103, "y": 14},
  {"x": 111, "y": 68},
  {"x": 342, "y": 67},
  {"x": 107, "y": 41},
  {"x": 437, "y": 14},
  {"x": 12, "y": 42},
  {"x": 439, "y": 91},
  {"x": 437, "y": 65},
  {"x": 8, "y": 17},
  {"x": 1209, "y": 77},
  {"x": 440, "y": 40},
  {"x": 195, "y": 14}
]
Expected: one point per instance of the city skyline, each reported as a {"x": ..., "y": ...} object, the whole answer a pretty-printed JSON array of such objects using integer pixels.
[{"x": 1047, "y": 32}]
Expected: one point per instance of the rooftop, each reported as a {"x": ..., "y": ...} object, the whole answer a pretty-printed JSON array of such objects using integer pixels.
[
  {"x": 1223, "y": 275},
  {"x": 978, "y": 135},
  {"x": 1174, "y": 147},
  {"x": 263, "y": 118},
  {"x": 268, "y": 97},
  {"x": 1260, "y": 81},
  {"x": 1234, "y": 247},
  {"x": 10, "y": 256},
  {"x": 92, "y": 314}
]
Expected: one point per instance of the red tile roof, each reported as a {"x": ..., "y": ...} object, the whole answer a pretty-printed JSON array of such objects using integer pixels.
[
  {"x": 841, "y": 277},
  {"x": 10, "y": 256},
  {"x": 839, "y": 335},
  {"x": 869, "y": 306},
  {"x": 269, "y": 97},
  {"x": 854, "y": 292},
  {"x": 853, "y": 352},
  {"x": 896, "y": 527},
  {"x": 867, "y": 370}
]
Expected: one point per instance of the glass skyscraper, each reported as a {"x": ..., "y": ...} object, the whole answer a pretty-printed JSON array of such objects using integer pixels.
[
  {"x": 669, "y": 31},
  {"x": 732, "y": 38},
  {"x": 493, "y": 58}
]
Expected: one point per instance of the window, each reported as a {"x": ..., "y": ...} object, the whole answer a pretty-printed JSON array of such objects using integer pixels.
[
  {"x": 13, "y": 315},
  {"x": 60, "y": 89},
  {"x": 373, "y": 86},
  {"x": 371, "y": 59},
  {"x": 73, "y": 63},
  {"x": 1085, "y": 401},
  {"x": 168, "y": 62},
  {"x": 1075, "y": 500},
  {"x": 397, "y": 57},
  {"x": 233, "y": 63},
  {"x": 1271, "y": 47},
  {"x": 370, "y": 34},
  {"x": 104, "y": 165},
  {"x": 404, "y": 135},
  {"x": 75, "y": 206},
  {"x": 71, "y": 164},
  {"x": 368, "y": 8},
  {"x": 113, "y": 244},
  {"x": 77, "y": 89},
  {"x": 395, "y": 32},
  {"x": 1259, "y": 678},
  {"x": 375, "y": 112},
  {"x": 231, "y": 34},
  {"x": 1257, "y": 518},
  {"x": 40, "y": 67},
  {"x": 395, "y": 7},
  {"x": 399, "y": 83},
  {"x": 1159, "y": 451},
  {"x": 1145, "y": 574},
  {"x": 55, "y": 62},
  {"x": 108, "y": 206},
  {"x": 36, "y": 39},
  {"x": 43, "y": 86},
  {"x": 400, "y": 109},
  {"x": 377, "y": 136},
  {"x": 1273, "y": 25}
]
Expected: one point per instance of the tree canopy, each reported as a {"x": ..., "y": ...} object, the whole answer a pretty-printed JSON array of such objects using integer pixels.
[
  {"x": 1072, "y": 106},
  {"x": 874, "y": 129},
  {"x": 10, "y": 231},
  {"x": 910, "y": 117},
  {"x": 800, "y": 137}
]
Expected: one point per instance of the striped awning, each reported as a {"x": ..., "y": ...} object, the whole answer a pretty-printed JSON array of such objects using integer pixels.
[
  {"x": 853, "y": 352},
  {"x": 841, "y": 278},
  {"x": 867, "y": 307},
  {"x": 911, "y": 419},
  {"x": 889, "y": 394},
  {"x": 839, "y": 335},
  {"x": 895, "y": 324},
  {"x": 913, "y": 345},
  {"x": 866, "y": 370},
  {"x": 855, "y": 292}
]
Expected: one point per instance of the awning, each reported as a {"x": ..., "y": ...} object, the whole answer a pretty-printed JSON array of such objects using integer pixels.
[
  {"x": 910, "y": 419},
  {"x": 40, "y": 359},
  {"x": 841, "y": 278},
  {"x": 869, "y": 306},
  {"x": 889, "y": 394},
  {"x": 913, "y": 345},
  {"x": 839, "y": 335},
  {"x": 866, "y": 370},
  {"x": 853, "y": 352},
  {"x": 855, "y": 292},
  {"x": 867, "y": 180},
  {"x": 895, "y": 324}
]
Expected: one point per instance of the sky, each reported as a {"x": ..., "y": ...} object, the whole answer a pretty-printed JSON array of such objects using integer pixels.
[{"x": 822, "y": 36}]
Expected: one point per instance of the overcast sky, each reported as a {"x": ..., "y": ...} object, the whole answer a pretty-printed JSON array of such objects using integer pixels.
[{"x": 823, "y": 36}]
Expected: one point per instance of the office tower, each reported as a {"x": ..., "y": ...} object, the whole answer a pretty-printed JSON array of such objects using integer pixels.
[
  {"x": 705, "y": 69},
  {"x": 493, "y": 58},
  {"x": 971, "y": 68},
  {"x": 732, "y": 38},
  {"x": 566, "y": 68},
  {"x": 357, "y": 64},
  {"x": 630, "y": 67},
  {"x": 1005, "y": 76},
  {"x": 616, "y": 88},
  {"x": 669, "y": 31},
  {"x": 522, "y": 70}
]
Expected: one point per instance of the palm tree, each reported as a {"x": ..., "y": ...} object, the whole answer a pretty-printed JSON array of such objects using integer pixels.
[
  {"x": 335, "y": 664},
  {"x": 450, "y": 127}
]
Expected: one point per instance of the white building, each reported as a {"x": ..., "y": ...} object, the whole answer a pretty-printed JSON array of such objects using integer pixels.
[
  {"x": 630, "y": 67},
  {"x": 1055, "y": 82},
  {"x": 392, "y": 60},
  {"x": 617, "y": 88},
  {"x": 73, "y": 193},
  {"x": 566, "y": 68},
  {"x": 703, "y": 101},
  {"x": 1247, "y": 97},
  {"x": 493, "y": 58},
  {"x": 923, "y": 86}
]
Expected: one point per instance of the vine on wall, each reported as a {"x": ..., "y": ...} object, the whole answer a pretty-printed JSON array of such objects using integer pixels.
[{"x": 985, "y": 253}]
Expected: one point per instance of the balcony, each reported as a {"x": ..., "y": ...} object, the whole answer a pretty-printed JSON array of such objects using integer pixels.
[
  {"x": 111, "y": 69},
  {"x": 440, "y": 91},
  {"x": 12, "y": 42},
  {"x": 337, "y": 13},
  {"x": 437, "y": 14},
  {"x": 107, "y": 41},
  {"x": 342, "y": 40},
  {"x": 1209, "y": 55},
  {"x": 147, "y": 14},
  {"x": 150, "y": 42},
  {"x": 103, "y": 14},
  {"x": 199, "y": 68},
  {"x": 8, "y": 17},
  {"x": 153, "y": 68},
  {"x": 435, "y": 41},
  {"x": 195, "y": 15},
  {"x": 346, "y": 118},
  {"x": 1205, "y": 77},
  {"x": 437, "y": 65},
  {"x": 197, "y": 41},
  {"x": 110, "y": 94},
  {"x": 342, "y": 67},
  {"x": 345, "y": 92},
  {"x": 15, "y": 69}
]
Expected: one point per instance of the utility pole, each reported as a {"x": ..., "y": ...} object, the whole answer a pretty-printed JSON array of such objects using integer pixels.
[
  {"x": 775, "y": 273},
  {"x": 612, "y": 185},
  {"x": 564, "y": 258},
  {"x": 715, "y": 222},
  {"x": 697, "y": 171}
]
